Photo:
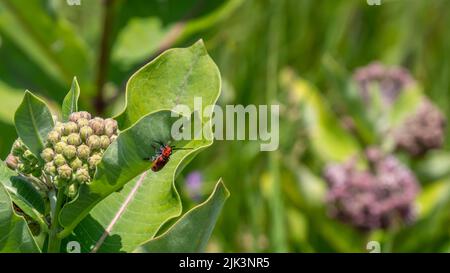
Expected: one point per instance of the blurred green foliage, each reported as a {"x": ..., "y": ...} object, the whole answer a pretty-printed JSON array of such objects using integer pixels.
[{"x": 298, "y": 53}]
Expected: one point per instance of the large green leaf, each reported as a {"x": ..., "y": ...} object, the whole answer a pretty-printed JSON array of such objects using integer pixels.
[
  {"x": 23, "y": 193},
  {"x": 175, "y": 77},
  {"x": 33, "y": 122},
  {"x": 192, "y": 231},
  {"x": 150, "y": 200},
  {"x": 70, "y": 102},
  {"x": 124, "y": 160},
  {"x": 147, "y": 201},
  {"x": 15, "y": 236},
  {"x": 130, "y": 216}
]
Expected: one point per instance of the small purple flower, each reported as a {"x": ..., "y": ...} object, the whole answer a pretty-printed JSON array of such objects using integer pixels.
[{"x": 194, "y": 183}]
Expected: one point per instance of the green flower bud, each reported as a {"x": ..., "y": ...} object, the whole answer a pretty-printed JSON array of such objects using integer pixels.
[
  {"x": 110, "y": 127},
  {"x": 11, "y": 161},
  {"x": 82, "y": 122},
  {"x": 59, "y": 160},
  {"x": 18, "y": 147},
  {"x": 64, "y": 139},
  {"x": 86, "y": 132},
  {"x": 65, "y": 172},
  {"x": 24, "y": 168},
  {"x": 53, "y": 137},
  {"x": 70, "y": 152},
  {"x": 104, "y": 142},
  {"x": 50, "y": 168},
  {"x": 20, "y": 167},
  {"x": 82, "y": 175},
  {"x": 76, "y": 164},
  {"x": 59, "y": 127},
  {"x": 83, "y": 152},
  {"x": 47, "y": 154},
  {"x": 94, "y": 160},
  {"x": 97, "y": 125},
  {"x": 28, "y": 155},
  {"x": 74, "y": 139},
  {"x": 94, "y": 142},
  {"x": 59, "y": 147},
  {"x": 72, "y": 190},
  {"x": 70, "y": 127}
]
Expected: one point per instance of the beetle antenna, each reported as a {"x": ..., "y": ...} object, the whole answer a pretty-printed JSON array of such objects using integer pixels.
[
  {"x": 175, "y": 148},
  {"x": 159, "y": 143}
]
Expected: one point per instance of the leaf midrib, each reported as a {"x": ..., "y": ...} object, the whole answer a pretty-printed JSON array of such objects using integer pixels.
[{"x": 128, "y": 200}]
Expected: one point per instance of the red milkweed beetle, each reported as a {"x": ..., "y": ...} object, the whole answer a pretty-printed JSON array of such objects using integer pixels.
[{"x": 162, "y": 156}]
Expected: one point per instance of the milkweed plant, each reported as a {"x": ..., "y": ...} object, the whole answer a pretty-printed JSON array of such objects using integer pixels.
[
  {"x": 391, "y": 122},
  {"x": 73, "y": 181}
]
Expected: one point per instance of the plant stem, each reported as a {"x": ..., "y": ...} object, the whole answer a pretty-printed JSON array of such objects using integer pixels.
[
  {"x": 103, "y": 56},
  {"x": 54, "y": 242}
]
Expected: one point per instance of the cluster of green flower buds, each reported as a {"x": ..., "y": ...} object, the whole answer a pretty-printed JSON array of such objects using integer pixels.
[
  {"x": 74, "y": 149},
  {"x": 23, "y": 160}
]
